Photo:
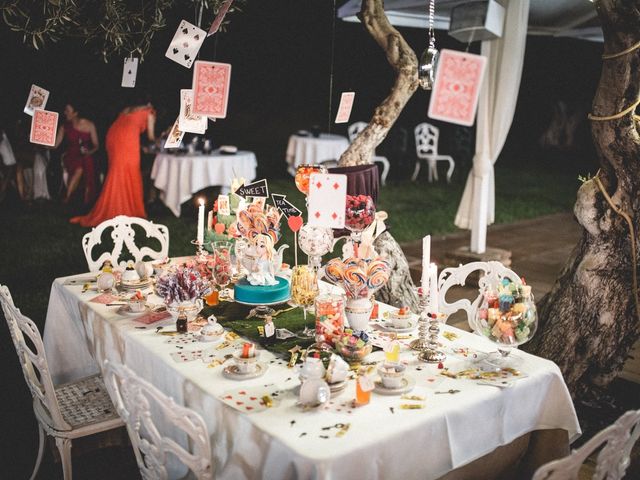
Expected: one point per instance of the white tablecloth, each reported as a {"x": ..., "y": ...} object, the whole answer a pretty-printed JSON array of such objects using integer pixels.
[
  {"x": 178, "y": 177},
  {"x": 301, "y": 150},
  {"x": 285, "y": 442}
]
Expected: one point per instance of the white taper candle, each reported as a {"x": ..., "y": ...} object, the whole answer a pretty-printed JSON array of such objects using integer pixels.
[
  {"x": 426, "y": 260},
  {"x": 200, "y": 235}
]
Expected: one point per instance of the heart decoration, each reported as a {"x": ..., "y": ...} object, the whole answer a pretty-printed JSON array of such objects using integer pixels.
[
  {"x": 219, "y": 228},
  {"x": 295, "y": 222}
]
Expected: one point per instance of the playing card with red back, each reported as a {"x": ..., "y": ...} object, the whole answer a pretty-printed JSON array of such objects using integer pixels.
[
  {"x": 211, "y": 88},
  {"x": 344, "y": 110},
  {"x": 327, "y": 199},
  {"x": 456, "y": 88},
  {"x": 44, "y": 127}
]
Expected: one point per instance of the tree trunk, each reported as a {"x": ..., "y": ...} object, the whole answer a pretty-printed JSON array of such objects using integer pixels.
[
  {"x": 399, "y": 290},
  {"x": 589, "y": 320}
]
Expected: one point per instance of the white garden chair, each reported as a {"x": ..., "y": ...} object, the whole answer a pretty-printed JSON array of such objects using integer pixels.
[
  {"x": 67, "y": 411},
  {"x": 124, "y": 234},
  {"x": 354, "y": 130},
  {"x": 135, "y": 398},
  {"x": 492, "y": 273},
  {"x": 616, "y": 441},
  {"x": 427, "y": 137}
]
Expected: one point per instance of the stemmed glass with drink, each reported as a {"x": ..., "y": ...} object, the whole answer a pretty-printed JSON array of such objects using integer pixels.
[{"x": 221, "y": 267}]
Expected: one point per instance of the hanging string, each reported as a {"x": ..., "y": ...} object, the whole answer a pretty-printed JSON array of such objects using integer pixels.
[
  {"x": 615, "y": 116},
  {"x": 608, "y": 56},
  {"x": 333, "y": 41}
]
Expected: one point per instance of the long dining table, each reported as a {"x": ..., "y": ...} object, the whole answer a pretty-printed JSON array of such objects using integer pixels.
[{"x": 462, "y": 428}]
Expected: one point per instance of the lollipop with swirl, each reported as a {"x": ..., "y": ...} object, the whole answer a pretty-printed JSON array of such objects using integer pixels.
[{"x": 360, "y": 278}]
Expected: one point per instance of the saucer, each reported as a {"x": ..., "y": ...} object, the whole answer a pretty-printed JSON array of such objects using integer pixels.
[
  {"x": 413, "y": 323},
  {"x": 337, "y": 387},
  {"x": 232, "y": 372},
  {"x": 407, "y": 384},
  {"x": 135, "y": 285},
  {"x": 126, "y": 310}
]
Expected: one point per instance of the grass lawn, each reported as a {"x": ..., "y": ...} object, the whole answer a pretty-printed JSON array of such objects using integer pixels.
[{"x": 37, "y": 244}]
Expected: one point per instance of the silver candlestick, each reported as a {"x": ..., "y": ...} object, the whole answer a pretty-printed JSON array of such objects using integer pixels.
[
  {"x": 431, "y": 354},
  {"x": 422, "y": 342},
  {"x": 200, "y": 251}
]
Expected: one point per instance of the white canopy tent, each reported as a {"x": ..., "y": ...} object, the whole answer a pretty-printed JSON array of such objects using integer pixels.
[{"x": 561, "y": 18}]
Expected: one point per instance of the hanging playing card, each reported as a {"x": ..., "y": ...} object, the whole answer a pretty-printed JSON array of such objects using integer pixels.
[
  {"x": 129, "y": 72},
  {"x": 186, "y": 43},
  {"x": 211, "y": 88},
  {"x": 219, "y": 17},
  {"x": 327, "y": 200},
  {"x": 175, "y": 137},
  {"x": 188, "y": 121},
  {"x": 37, "y": 99},
  {"x": 457, "y": 87},
  {"x": 44, "y": 127},
  {"x": 344, "y": 110}
]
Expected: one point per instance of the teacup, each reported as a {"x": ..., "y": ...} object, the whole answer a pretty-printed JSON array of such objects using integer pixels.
[
  {"x": 337, "y": 370},
  {"x": 311, "y": 368},
  {"x": 391, "y": 374},
  {"x": 245, "y": 364},
  {"x": 399, "y": 320},
  {"x": 137, "y": 304}
]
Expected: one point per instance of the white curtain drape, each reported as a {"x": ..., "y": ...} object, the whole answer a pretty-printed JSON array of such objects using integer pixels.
[{"x": 497, "y": 103}]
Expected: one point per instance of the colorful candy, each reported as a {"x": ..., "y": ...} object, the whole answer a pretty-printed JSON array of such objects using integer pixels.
[
  {"x": 360, "y": 277},
  {"x": 303, "y": 172},
  {"x": 360, "y": 212},
  {"x": 330, "y": 317}
]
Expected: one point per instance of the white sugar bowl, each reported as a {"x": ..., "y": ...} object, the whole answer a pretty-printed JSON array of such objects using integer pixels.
[{"x": 212, "y": 331}]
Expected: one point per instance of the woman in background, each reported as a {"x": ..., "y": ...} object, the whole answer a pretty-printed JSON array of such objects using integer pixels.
[
  {"x": 122, "y": 193},
  {"x": 81, "y": 141}
]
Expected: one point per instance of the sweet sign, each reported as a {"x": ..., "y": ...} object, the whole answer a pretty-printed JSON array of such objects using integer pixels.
[{"x": 255, "y": 189}]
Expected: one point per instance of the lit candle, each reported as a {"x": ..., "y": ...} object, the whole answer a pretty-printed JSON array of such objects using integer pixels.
[
  {"x": 200, "y": 236},
  {"x": 426, "y": 260},
  {"x": 433, "y": 288}
]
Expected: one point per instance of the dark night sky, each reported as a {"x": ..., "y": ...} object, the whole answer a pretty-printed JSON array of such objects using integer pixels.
[{"x": 281, "y": 56}]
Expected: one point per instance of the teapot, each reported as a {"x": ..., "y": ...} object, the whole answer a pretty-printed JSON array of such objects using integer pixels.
[{"x": 261, "y": 269}]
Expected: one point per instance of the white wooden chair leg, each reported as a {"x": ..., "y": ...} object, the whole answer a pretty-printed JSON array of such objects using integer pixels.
[
  {"x": 40, "y": 452},
  {"x": 452, "y": 165},
  {"x": 64, "y": 446},
  {"x": 433, "y": 171},
  {"x": 385, "y": 170},
  {"x": 416, "y": 171}
]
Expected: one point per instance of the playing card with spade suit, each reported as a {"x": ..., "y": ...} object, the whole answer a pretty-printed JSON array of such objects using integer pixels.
[
  {"x": 327, "y": 200},
  {"x": 185, "y": 44},
  {"x": 129, "y": 72}
]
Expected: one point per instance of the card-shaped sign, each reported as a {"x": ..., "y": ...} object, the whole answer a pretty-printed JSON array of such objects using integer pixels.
[
  {"x": 175, "y": 136},
  {"x": 254, "y": 189},
  {"x": 129, "y": 72},
  {"x": 285, "y": 206},
  {"x": 346, "y": 104},
  {"x": 327, "y": 199},
  {"x": 223, "y": 205},
  {"x": 186, "y": 43},
  {"x": 37, "y": 99},
  {"x": 188, "y": 121},
  {"x": 44, "y": 127},
  {"x": 211, "y": 88},
  {"x": 219, "y": 17},
  {"x": 456, "y": 89}
]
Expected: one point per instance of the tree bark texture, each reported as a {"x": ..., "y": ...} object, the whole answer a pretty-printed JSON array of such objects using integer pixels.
[
  {"x": 405, "y": 63},
  {"x": 399, "y": 290},
  {"x": 589, "y": 320}
]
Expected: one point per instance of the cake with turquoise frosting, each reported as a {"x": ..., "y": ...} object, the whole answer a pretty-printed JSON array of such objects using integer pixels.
[{"x": 244, "y": 292}]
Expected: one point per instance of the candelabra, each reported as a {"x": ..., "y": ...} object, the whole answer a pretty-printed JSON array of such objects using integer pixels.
[
  {"x": 431, "y": 353},
  {"x": 421, "y": 343}
]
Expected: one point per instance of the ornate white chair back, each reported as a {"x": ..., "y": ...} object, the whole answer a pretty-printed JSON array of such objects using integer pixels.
[
  {"x": 355, "y": 129},
  {"x": 426, "y": 140},
  {"x": 134, "y": 399},
  {"x": 616, "y": 441},
  {"x": 32, "y": 360},
  {"x": 494, "y": 272},
  {"x": 124, "y": 234}
]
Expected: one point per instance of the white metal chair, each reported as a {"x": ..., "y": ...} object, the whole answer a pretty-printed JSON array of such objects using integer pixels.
[
  {"x": 616, "y": 441},
  {"x": 67, "y": 411},
  {"x": 354, "y": 130},
  {"x": 124, "y": 234},
  {"x": 494, "y": 272},
  {"x": 135, "y": 398},
  {"x": 427, "y": 149}
]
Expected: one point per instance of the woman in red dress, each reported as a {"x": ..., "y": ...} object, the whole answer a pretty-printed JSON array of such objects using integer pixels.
[
  {"x": 122, "y": 193},
  {"x": 81, "y": 141}
]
